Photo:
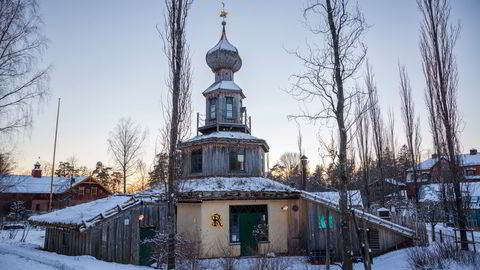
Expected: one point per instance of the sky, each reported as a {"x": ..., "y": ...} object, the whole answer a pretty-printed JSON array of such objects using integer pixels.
[{"x": 108, "y": 63}]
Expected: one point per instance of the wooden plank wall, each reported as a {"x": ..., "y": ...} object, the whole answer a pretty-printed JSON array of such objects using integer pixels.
[
  {"x": 216, "y": 160},
  {"x": 317, "y": 237},
  {"x": 110, "y": 240}
]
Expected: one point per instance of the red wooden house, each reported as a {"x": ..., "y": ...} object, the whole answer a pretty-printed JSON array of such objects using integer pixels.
[
  {"x": 434, "y": 169},
  {"x": 34, "y": 191}
]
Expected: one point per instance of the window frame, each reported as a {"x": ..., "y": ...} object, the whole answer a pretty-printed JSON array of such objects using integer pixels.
[
  {"x": 470, "y": 172},
  {"x": 196, "y": 164},
  {"x": 227, "y": 99},
  {"x": 212, "y": 104},
  {"x": 234, "y": 163}
]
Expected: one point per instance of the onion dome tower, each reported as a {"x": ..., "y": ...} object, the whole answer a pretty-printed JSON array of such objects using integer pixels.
[
  {"x": 224, "y": 111},
  {"x": 223, "y": 145}
]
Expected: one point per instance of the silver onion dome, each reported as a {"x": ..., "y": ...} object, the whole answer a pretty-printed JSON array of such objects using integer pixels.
[{"x": 224, "y": 55}]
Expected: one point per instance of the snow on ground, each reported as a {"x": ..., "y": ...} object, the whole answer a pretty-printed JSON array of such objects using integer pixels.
[
  {"x": 15, "y": 255},
  {"x": 20, "y": 256},
  {"x": 34, "y": 236}
]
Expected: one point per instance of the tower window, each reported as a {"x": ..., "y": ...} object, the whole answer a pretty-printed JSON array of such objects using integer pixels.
[
  {"x": 229, "y": 104},
  {"x": 213, "y": 108},
  {"x": 237, "y": 161},
  {"x": 196, "y": 161}
]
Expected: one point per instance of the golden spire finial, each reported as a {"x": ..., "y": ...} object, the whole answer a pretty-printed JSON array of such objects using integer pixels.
[{"x": 223, "y": 13}]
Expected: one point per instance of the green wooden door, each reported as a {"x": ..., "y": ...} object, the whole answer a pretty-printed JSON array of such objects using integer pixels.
[
  {"x": 146, "y": 248},
  {"x": 248, "y": 244}
]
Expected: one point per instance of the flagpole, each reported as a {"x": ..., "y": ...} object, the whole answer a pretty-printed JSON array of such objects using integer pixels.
[{"x": 53, "y": 163}]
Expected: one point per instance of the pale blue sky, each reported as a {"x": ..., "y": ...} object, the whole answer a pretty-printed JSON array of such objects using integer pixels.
[{"x": 108, "y": 63}]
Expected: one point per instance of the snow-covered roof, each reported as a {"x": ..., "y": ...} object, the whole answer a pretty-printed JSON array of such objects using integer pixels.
[
  {"x": 360, "y": 214},
  {"x": 425, "y": 165},
  {"x": 235, "y": 135},
  {"x": 77, "y": 214},
  {"x": 391, "y": 181},
  {"x": 354, "y": 197},
  {"x": 225, "y": 184},
  {"x": 38, "y": 185},
  {"x": 465, "y": 160},
  {"x": 394, "y": 182},
  {"x": 223, "y": 85},
  {"x": 470, "y": 160}
]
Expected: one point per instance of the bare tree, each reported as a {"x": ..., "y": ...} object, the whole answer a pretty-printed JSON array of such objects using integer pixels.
[
  {"x": 7, "y": 165},
  {"x": 125, "y": 145},
  {"x": 178, "y": 112},
  {"x": 290, "y": 161},
  {"x": 22, "y": 44},
  {"x": 437, "y": 41},
  {"x": 363, "y": 145},
  {"x": 410, "y": 127},
  {"x": 325, "y": 80},
  {"x": 142, "y": 175},
  {"x": 378, "y": 129},
  {"x": 392, "y": 139}
]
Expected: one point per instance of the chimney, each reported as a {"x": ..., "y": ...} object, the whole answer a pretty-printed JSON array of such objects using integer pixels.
[
  {"x": 37, "y": 172},
  {"x": 473, "y": 151}
]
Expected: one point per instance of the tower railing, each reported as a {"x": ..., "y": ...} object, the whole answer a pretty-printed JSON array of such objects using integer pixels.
[{"x": 245, "y": 122}]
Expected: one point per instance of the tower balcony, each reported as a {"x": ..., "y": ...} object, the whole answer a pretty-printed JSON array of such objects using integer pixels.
[{"x": 241, "y": 124}]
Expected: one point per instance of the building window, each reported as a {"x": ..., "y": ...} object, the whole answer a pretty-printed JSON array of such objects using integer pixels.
[
  {"x": 196, "y": 161},
  {"x": 81, "y": 190},
  {"x": 213, "y": 108},
  {"x": 470, "y": 172},
  {"x": 425, "y": 176},
  {"x": 37, "y": 207},
  {"x": 229, "y": 107},
  {"x": 87, "y": 191},
  {"x": 237, "y": 161},
  {"x": 248, "y": 220},
  {"x": 94, "y": 190}
]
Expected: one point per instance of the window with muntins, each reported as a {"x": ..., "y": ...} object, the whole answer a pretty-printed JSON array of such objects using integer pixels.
[
  {"x": 237, "y": 161},
  {"x": 196, "y": 161},
  {"x": 213, "y": 108},
  {"x": 229, "y": 107}
]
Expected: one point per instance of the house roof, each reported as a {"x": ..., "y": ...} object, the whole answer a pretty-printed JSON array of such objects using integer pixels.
[
  {"x": 38, "y": 185},
  {"x": 465, "y": 159},
  {"x": 391, "y": 181},
  {"x": 227, "y": 86},
  {"x": 85, "y": 215},
  {"x": 227, "y": 184},
  {"x": 227, "y": 136},
  {"x": 354, "y": 197}
]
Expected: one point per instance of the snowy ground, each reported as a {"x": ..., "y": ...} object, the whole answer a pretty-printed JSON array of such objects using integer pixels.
[{"x": 29, "y": 256}]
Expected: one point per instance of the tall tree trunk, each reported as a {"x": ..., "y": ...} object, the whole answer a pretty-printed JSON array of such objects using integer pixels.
[{"x": 342, "y": 131}]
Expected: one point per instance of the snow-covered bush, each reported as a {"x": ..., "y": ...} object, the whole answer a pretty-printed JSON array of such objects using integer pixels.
[
  {"x": 442, "y": 256},
  {"x": 228, "y": 261},
  {"x": 187, "y": 251},
  {"x": 17, "y": 211}
]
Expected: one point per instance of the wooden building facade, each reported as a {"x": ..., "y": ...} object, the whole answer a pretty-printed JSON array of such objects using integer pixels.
[{"x": 115, "y": 235}]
